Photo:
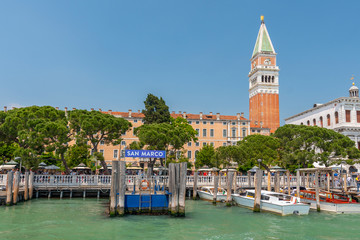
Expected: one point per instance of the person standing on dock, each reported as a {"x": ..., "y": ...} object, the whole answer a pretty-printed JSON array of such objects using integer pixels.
[{"x": 357, "y": 179}]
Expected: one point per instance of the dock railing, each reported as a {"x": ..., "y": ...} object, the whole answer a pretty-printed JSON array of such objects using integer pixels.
[{"x": 104, "y": 181}]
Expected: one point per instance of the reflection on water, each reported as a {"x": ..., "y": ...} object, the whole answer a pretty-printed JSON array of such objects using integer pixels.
[{"x": 86, "y": 219}]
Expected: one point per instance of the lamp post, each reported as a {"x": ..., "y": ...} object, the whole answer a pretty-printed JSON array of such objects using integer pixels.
[
  {"x": 19, "y": 158},
  {"x": 341, "y": 175},
  {"x": 259, "y": 161}
]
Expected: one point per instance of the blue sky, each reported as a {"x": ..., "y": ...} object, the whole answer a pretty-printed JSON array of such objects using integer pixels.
[{"x": 195, "y": 54}]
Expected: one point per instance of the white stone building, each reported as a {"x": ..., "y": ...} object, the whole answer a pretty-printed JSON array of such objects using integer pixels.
[{"x": 341, "y": 115}]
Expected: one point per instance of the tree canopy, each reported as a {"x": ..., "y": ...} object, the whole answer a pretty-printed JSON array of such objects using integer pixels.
[{"x": 156, "y": 111}]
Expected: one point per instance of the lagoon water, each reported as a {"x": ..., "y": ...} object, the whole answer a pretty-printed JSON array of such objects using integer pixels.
[{"x": 86, "y": 219}]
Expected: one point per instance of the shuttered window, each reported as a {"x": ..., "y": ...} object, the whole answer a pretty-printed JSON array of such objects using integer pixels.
[{"x": 347, "y": 114}]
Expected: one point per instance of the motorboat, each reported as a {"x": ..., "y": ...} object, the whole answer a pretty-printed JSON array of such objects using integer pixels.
[
  {"x": 331, "y": 202},
  {"x": 207, "y": 193},
  {"x": 273, "y": 202}
]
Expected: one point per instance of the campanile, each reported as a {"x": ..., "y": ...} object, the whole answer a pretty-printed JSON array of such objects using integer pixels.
[{"x": 264, "y": 83}]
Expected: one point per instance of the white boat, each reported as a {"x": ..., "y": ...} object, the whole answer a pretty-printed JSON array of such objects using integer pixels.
[
  {"x": 273, "y": 202},
  {"x": 207, "y": 193}
]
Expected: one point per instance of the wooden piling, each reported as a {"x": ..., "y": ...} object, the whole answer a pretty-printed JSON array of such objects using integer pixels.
[
  {"x": 122, "y": 189},
  {"x": 328, "y": 181},
  {"x": 229, "y": 180},
  {"x": 257, "y": 184},
  {"x": 298, "y": 183},
  {"x": 16, "y": 187},
  {"x": 216, "y": 185},
  {"x": 182, "y": 188},
  {"x": 277, "y": 180},
  {"x": 9, "y": 188},
  {"x": 269, "y": 181},
  {"x": 31, "y": 185},
  {"x": 26, "y": 186},
  {"x": 195, "y": 185},
  {"x": 288, "y": 181},
  {"x": 174, "y": 186},
  {"x": 345, "y": 182},
  {"x": 113, "y": 188},
  {"x": 317, "y": 191},
  {"x": 249, "y": 179},
  {"x": 234, "y": 182},
  {"x": 61, "y": 194}
]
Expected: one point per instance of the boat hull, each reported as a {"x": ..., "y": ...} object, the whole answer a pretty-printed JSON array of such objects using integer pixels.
[
  {"x": 284, "y": 210},
  {"x": 346, "y": 208},
  {"x": 209, "y": 197}
]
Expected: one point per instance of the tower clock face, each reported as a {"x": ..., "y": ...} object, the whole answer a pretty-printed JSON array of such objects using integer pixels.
[{"x": 267, "y": 61}]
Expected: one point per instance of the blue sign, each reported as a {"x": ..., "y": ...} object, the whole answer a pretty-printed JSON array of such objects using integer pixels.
[{"x": 145, "y": 153}]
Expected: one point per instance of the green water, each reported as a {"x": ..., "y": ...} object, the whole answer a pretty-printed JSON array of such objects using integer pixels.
[{"x": 86, "y": 219}]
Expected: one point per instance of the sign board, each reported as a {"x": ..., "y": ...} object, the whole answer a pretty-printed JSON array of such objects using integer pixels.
[{"x": 145, "y": 153}]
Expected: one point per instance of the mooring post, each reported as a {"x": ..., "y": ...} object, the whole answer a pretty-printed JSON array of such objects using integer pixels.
[
  {"x": 216, "y": 185},
  {"x": 98, "y": 194},
  {"x": 26, "y": 186},
  {"x": 298, "y": 183},
  {"x": 288, "y": 181},
  {"x": 31, "y": 184},
  {"x": 113, "y": 188},
  {"x": 234, "y": 182},
  {"x": 284, "y": 181},
  {"x": 230, "y": 176},
  {"x": 328, "y": 181},
  {"x": 61, "y": 194},
  {"x": 249, "y": 179},
  {"x": 70, "y": 193},
  {"x": 122, "y": 189},
  {"x": 49, "y": 195},
  {"x": 84, "y": 193},
  {"x": 269, "y": 181},
  {"x": 195, "y": 184},
  {"x": 182, "y": 188},
  {"x": 344, "y": 181},
  {"x": 9, "y": 188},
  {"x": 16, "y": 187},
  {"x": 170, "y": 183},
  {"x": 257, "y": 184},
  {"x": 317, "y": 191},
  {"x": 174, "y": 187}
]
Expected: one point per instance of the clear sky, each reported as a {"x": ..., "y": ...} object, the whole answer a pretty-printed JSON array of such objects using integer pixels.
[{"x": 195, "y": 54}]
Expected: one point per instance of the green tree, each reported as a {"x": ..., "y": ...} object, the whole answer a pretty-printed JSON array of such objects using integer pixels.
[
  {"x": 94, "y": 127},
  {"x": 182, "y": 133},
  {"x": 25, "y": 127},
  {"x": 301, "y": 146},
  {"x": 228, "y": 154},
  {"x": 7, "y": 151},
  {"x": 77, "y": 154},
  {"x": 156, "y": 111},
  {"x": 256, "y": 147},
  {"x": 206, "y": 156}
]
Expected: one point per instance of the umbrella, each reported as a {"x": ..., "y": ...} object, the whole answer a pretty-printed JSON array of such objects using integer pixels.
[
  {"x": 277, "y": 169},
  {"x": 253, "y": 169},
  {"x": 108, "y": 166},
  {"x": 81, "y": 166},
  {"x": 42, "y": 164},
  {"x": 52, "y": 167},
  {"x": 7, "y": 167},
  {"x": 12, "y": 162},
  {"x": 135, "y": 168},
  {"x": 230, "y": 170}
]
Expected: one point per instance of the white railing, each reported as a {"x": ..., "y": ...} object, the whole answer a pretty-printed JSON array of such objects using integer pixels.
[{"x": 104, "y": 181}]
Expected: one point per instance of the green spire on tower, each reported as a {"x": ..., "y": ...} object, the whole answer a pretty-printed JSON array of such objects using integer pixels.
[{"x": 263, "y": 41}]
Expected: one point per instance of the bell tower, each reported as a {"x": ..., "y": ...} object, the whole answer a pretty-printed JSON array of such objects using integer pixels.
[{"x": 264, "y": 83}]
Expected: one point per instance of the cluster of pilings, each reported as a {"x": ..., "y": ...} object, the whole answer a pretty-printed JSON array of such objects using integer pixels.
[
  {"x": 177, "y": 188},
  {"x": 14, "y": 193},
  {"x": 118, "y": 188}
]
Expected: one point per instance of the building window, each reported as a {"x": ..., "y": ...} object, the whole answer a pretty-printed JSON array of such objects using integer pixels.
[
  {"x": 358, "y": 116},
  {"x": 204, "y": 122},
  {"x": 224, "y": 123},
  {"x": 211, "y": 132},
  {"x": 211, "y": 144},
  {"x": 347, "y": 115},
  {"x": 115, "y": 153},
  {"x": 321, "y": 122},
  {"x": 243, "y": 123},
  {"x": 224, "y": 133},
  {"x": 123, "y": 143},
  {"x": 122, "y": 153},
  {"x": 224, "y": 144},
  {"x": 233, "y": 123},
  {"x": 197, "y": 122},
  {"x": 336, "y": 117},
  {"x": 308, "y": 123},
  {"x": 244, "y": 132},
  {"x": 234, "y": 143},
  {"x": 314, "y": 122},
  {"x": 204, "y": 132},
  {"x": 102, "y": 142},
  {"x": 328, "y": 119},
  {"x": 197, "y": 130},
  {"x": 189, "y": 144},
  {"x": 197, "y": 144},
  {"x": 211, "y": 123},
  {"x": 189, "y": 154},
  {"x": 204, "y": 144},
  {"x": 135, "y": 120},
  {"x": 301, "y": 123},
  {"x": 102, "y": 151},
  {"x": 233, "y": 132},
  {"x": 190, "y": 122}
]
